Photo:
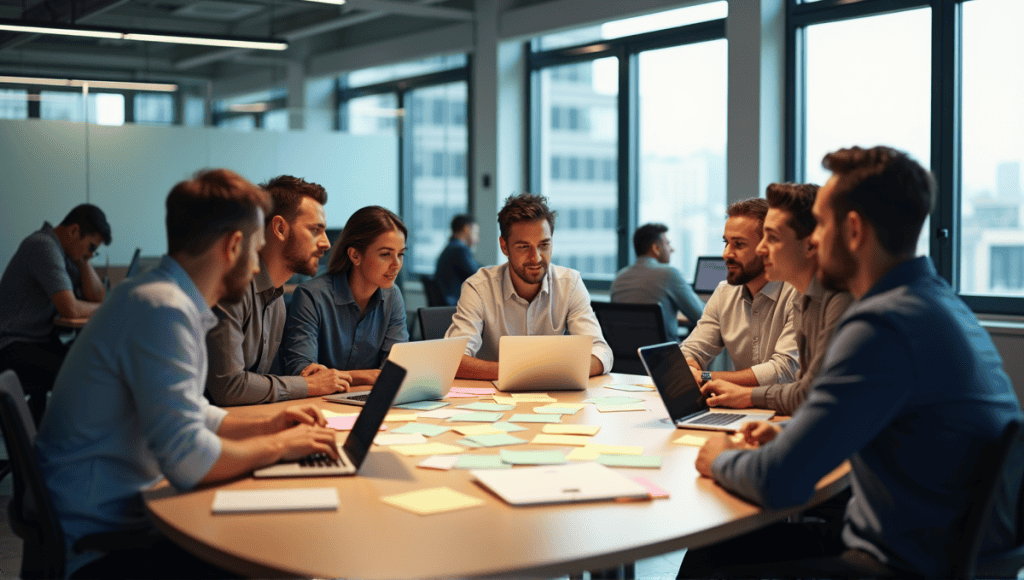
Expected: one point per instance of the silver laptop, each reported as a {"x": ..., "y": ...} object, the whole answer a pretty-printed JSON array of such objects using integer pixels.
[
  {"x": 430, "y": 369},
  {"x": 544, "y": 363},
  {"x": 687, "y": 406},
  {"x": 357, "y": 444}
]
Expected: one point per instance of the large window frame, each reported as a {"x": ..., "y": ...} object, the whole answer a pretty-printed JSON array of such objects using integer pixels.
[
  {"x": 945, "y": 154},
  {"x": 626, "y": 50}
]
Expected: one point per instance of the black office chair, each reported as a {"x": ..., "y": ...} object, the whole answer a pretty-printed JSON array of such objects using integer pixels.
[
  {"x": 999, "y": 493},
  {"x": 434, "y": 321},
  {"x": 627, "y": 327},
  {"x": 432, "y": 290}
]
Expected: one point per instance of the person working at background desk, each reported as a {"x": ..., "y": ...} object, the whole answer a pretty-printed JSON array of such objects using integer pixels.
[
  {"x": 128, "y": 406},
  {"x": 244, "y": 343},
  {"x": 747, "y": 314},
  {"x": 456, "y": 262},
  {"x": 911, "y": 390},
  {"x": 525, "y": 296},
  {"x": 49, "y": 274},
  {"x": 790, "y": 255}
]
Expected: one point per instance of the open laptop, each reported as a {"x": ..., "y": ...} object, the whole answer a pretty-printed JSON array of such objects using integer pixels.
[
  {"x": 687, "y": 406},
  {"x": 710, "y": 272},
  {"x": 430, "y": 369},
  {"x": 133, "y": 266},
  {"x": 544, "y": 363},
  {"x": 357, "y": 444}
]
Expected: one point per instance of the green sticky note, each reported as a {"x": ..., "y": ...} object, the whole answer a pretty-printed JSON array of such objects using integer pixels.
[
  {"x": 613, "y": 400},
  {"x": 487, "y": 407},
  {"x": 508, "y": 427},
  {"x": 468, "y": 443},
  {"x": 650, "y": 461},
  {"x": 553, "y": 457},
  {"x": 423, "y": 405},
  {"x": 477, "y": 417},
  {"x": 495, "y": 439},
  {"x": 629, "y": 388},
  {"x": 425, "y": 429},
  {"x": 528, "y": 418},
  {"x": 481, "y": 462}
]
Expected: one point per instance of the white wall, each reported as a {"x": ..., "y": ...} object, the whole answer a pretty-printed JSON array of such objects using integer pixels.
[{"x": 132, "y": 168}]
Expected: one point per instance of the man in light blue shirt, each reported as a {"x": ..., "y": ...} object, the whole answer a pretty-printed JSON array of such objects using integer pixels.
[{"x": 128, "y": 406}]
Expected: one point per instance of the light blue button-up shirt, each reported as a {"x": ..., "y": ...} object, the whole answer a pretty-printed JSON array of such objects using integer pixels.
[{"x": 128, "y": 407}]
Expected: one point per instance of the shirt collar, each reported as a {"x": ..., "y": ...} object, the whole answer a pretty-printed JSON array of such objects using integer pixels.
[
  {"x": 771, "y": 291},
  {"x": 508, "y": 290},
  {"x": 648, "y": 260},
  {"x": 178, "y": 274},
  {"x": 815, "y": 293},
  {"x": 343, "y": 293},
  {"x": 903, "y": 274},
  {"x": 48, "y": 230},
  {"x": 263, "y": 282}
]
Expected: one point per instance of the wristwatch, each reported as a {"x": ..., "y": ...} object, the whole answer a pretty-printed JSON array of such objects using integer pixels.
[{"x": 705, "y": 377}]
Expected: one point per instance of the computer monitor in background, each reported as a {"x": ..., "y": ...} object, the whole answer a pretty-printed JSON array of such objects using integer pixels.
[
  {"x": 710, "y": 272},
  {"x": 133, "y": 266}
]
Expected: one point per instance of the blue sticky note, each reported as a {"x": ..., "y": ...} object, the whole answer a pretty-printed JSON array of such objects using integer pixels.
[
  {"x": 477, "y": 417},
  {"x": 508, "y": 427},
  {"x": 496, "y": 439},
  {"x": 487, "y": 407},
  {"x": 650, "y": 461},
  {"x": 528, "y": 418},
  {"x": 553, "y": 457},
  {"x": 423, "y": 405},
  {"x": 424, "y": 428},
  {"x": 481, "y": 462}
]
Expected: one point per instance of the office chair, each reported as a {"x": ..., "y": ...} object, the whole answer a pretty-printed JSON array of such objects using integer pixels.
[
  {"x": 432, "y": 290},
  {"x": 434, "y": 321},
  {"x": 627, "y": 327},
  {"x": 998, "y": 493}
]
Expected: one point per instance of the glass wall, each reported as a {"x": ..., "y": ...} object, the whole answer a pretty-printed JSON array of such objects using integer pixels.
[{"x": 13, "y": 104}]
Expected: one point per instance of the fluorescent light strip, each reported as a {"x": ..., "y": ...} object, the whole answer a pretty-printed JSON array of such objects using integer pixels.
[
  {"x": 143, "y": 36},
  {"x": 122, "y": 85},
  {"x": 335, "y": 2}
]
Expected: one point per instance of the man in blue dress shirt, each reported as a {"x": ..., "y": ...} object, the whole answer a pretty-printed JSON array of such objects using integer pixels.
[
  {"x": 911, "y": 390},
  {"x": 456, "y": 262}
]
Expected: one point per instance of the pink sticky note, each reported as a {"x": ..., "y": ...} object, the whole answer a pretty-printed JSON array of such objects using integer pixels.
[
  {"x": 456, "y": 395},
  {"x": 345, "y": 423},
  {"x": 655, "y": 491},
  {"x": 473, "y": 390}
]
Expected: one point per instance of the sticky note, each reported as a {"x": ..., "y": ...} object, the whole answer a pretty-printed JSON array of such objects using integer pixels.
[
  {"x": 476, "y": 430},
  {"x": 400, "y": 416},
  {"x": 422, "y": 405},
  {"x": 481, "y": 462},
  {"x": 468, "y": 443},
  {"x": 495, "y": 440},
  {"x": 694, "y": 440},
  {"x": 427, "y": 449},
  {"x": 328, "y": 414},
  {"x": 472, "y": 390},
  {"x": 478, "y": 417},
  {"x": 614, "y": 449},
  {"x": 558, "y": 409},
  {"x": 604, "y": 408},
  {"x": 457, "y": 395},
  {"x": 527, "y": 418},
  {"x": 553, "y": 457},
  {"x": 613, "y": 400},
  {"x": 424, "y": 428},
  {"x": 549, "y": 439},
  {"x": 507, "y": 427},
  {"x": 399, "y": 439},
  {"x": 502, "y": 400},
  {"x": 432, "y": 501},
  {"x": 441, "y": 462},
  {"x": 487, "y": 407},
  {"x": 631, "y": 388},
  {"x": 443, "y": 413},
  {"x": 533, "y": 398},
  {"x": 581, "y": 454},
  {"x": 655, "y": 491},
  {"x": 345, "y": 423},
  {"x": 649, "y": 461},
  {"x": 572, "y": 429}
]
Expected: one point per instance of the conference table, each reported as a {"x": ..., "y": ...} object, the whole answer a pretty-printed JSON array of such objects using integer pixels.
[{"x": 367, "y": 538}]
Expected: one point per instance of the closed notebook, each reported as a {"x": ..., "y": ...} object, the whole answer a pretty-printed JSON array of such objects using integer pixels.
[
  {"x": 559, "y": 484},
  {"x": 275, "y": 500}
]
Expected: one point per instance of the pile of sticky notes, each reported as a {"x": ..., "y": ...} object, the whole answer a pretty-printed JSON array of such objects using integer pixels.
[{"x": 432, "y": 501}]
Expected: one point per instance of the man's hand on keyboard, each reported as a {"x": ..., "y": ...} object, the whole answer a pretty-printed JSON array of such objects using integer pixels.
[
  {"x": 296, "y": 415},
  {"x": 302, "y": 440},
  {"x": 725, "y": 394}
]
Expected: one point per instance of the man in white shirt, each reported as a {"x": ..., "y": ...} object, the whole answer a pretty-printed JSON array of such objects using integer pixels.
[{"x": 525, "y": 296}]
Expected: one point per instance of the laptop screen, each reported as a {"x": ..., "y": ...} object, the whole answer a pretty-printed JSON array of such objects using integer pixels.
[
  {"x": 377, "y": 406},
  {"x": 670, "y": 373},
  {"x": 710, "y": 272}
]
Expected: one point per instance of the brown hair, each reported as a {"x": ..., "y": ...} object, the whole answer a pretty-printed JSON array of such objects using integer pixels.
[
  {"x": 360, "y": 230},
  {"x": 524, "y": 207},
  {"x": 210, "y": 204},
  {"x": 797, "y": 199},
  {"x": 646, "y": 236},
  {"x": 287, "y": 192},
  {"x": 755, "y": 207}
]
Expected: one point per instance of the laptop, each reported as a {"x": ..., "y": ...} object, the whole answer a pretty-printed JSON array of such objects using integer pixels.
[
  {"x": 687, "y": 406},
  {"x": 710, "y": 272},
  {"x": 544, "y": 363},
  {"x": 430, "y": 369},
  {"x": 357, "y": 444},
  {"x": 559, "y": 484},
  {"x": 133, "y": 266}
]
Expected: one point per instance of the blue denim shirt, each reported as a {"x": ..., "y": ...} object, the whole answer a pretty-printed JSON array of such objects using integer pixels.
[{"x": 324, "y": 326}]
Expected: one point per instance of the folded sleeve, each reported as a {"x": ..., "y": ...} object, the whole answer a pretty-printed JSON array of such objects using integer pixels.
[
  {"x": 581, "y": 320},
  {"x": 468, "y": 320}
]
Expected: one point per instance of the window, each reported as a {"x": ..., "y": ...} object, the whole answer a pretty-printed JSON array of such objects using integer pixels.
[
  {"x": 13, "y": 104},
  {"x": 195, "y": 112},
  {"x": 276, "y": 120},
  {"x": 154, "y": 108},
  {"x": 381, "y": 74},
  {"x": 372, "y": 115},
  {"x": 61, "y": 106}
]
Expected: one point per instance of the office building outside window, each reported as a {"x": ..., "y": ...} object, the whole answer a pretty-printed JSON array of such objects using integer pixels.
[
  {"x": 13, "y": 104},
  {"x": 155, "y": 108}
]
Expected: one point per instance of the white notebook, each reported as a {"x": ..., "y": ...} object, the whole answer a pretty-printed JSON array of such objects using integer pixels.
[
  {"x": 559, "y": 483},
  {"x": 275, "y": 500}
]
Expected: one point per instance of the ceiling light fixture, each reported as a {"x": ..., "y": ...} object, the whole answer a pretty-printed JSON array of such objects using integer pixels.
[
  {"x": 335, "y": 2},
  {"x": 141, "y": 35},
  {"x": 117, "y": 85}
]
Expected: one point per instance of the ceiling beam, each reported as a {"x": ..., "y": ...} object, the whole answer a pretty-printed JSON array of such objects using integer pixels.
[{"x": 407, "y": 9}]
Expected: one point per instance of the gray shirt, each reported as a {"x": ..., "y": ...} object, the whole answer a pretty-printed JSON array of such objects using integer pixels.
[
  {"x": 757, "y": 330},
  {"x": 815, "y": 318},
  {"x": 35, "y": 273},
  {"x": 243, "y": 345},
  {"x": 648, "y": 281},
  {"x": 490, "y": 308}
]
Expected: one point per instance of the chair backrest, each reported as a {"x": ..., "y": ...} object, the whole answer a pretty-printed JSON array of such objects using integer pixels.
[
  {"x": 997, "y": 502},
  {"x": 432, "y": 290},
  {"x": 434, "y": 321},
  {"x": 32, "y": 514},
  {"x": 627, "y": 327}
]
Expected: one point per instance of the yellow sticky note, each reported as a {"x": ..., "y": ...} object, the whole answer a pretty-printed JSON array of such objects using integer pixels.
[
  {"x": 614, "y": 449},
  {"x": 548, "y": 439},
  {"x": 427, "y": 449},
  {"x": 477, "y": 430},
  {"x": 397, "y": 416},
  {"x": 533, "y": 398},
  {"x": 559, "y": 407},
  {"x": 694, "y": 440},
  {"x": 504, "y": 400},
  {"x": 432, "y": 501},
  {"x": 330, "y": 414},
  {"x": 559, "y": 429},
  {"x": 581, "y": 454}
]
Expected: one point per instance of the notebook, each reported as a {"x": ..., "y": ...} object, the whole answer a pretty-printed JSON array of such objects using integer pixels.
[
  {"x": 357, "y": 444},
  {"x": 544, "y": 363},
  {"x": 687, "y": 406},
  {"x": 558, "y": 484},
  {"x": 710, "y": 272},
  {"x": 430, "y": 369}
]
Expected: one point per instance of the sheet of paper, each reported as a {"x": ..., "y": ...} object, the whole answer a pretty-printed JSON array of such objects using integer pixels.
[
  {"x": 553, "y": 457},
  {"x": 423, "y": 428},
  {"x": 385, "y": 439},
  {"x": 422, "y": 405},
  {"x": 440, "y": 462},
  {"x": 581, "y": 454},
  {"x": 443, "y": 413},
  {"x": 614, "y": 449},
  {"x": 432, "y": 501},
  {"x": 631, "y": 388},
  {"x": 476, "y": 430},
  {"x": 507, "y": 427},
  {"x": 400, "y": 416},
  {"x": 694, "y": 440},
  {"x": 613, "y": 400},
  {"x": 345, "y": 423},
  {"x": 427, "y": 449},
  {"x": 528, "y": 418},
  {"x": 496, "y": 440},
  {"x": 477, "y": 417},
  {"x": 655, "y": 491},
  {"x": 473, "y": 390},
  {"x": 558, "y": 408},
  {"x": 275, "y": 500},
  {"x": 481, "y": 462},
  {"x": 604, "y": 408},
  {"x": 571, "y": 429},
  {"x": 648, "y": 461},
  {"x": 549, "y": 439},
  {"x": 487, "y": 407}
]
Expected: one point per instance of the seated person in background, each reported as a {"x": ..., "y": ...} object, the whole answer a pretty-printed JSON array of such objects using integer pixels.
[
  {"x": 49, "y": 274},
  {"x": 650, "y": 280},
  {"x": 790, "y": 256},
  {"x": 911, "y": 390},
  {"x": 348, "y": 318},
  {"x": 747, "y": 314},
  {"x": 525, "y": 296},
  {"x": 245, "y": 341},
  {"x": 456, "y": 262},
  {"x": 128, "y": 407}
]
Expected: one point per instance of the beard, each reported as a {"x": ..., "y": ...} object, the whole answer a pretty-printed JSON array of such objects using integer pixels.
[
  {"x": 299, "y": 262},
  {"x": 746, "y": 273},
  {"x": 529, "y": 279},
  {"x": 237, "y": 280},
  {"x": 835, "y": 275}
]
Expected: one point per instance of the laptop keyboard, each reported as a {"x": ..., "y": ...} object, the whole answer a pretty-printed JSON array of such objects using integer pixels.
[
  {"x": 319, "y": 460},
  {"x": 716, "y": 418},
  {"x": 363, "y": 397}
]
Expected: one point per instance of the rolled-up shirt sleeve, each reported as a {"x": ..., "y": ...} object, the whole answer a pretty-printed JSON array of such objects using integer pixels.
[
  {"x": 582, "y": 321},
  {"x": 299, "y": 348},
  {"x": 468, "y": 320}
]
